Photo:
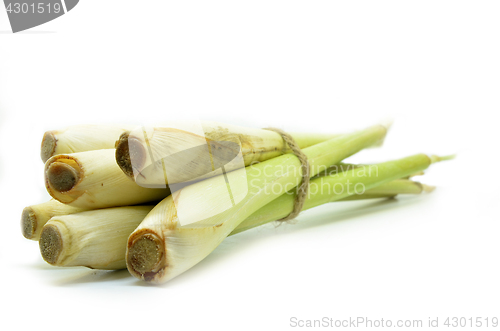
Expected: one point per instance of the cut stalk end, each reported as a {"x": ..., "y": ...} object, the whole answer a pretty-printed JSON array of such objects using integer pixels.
[
  {"x": 50, "y": 243},
  {"x": 28, "y": 222},
  {"x": 48, "y": 149},
  {"x": 145, "y": 255},
  {"x": 128, "y": 149},
  {"x": 62, "y": 176}
]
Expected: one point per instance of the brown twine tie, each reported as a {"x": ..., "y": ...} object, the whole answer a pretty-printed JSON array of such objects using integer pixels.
[{"x": 304, "y": 185}]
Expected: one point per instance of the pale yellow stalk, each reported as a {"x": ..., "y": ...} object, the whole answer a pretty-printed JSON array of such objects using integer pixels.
[
  {"x": 80, "y": 138},
  {"x": 34, "y": 217},
  {"x": 93, "y": 180},
  {"x": 94, "y": 239},
  {"x": 157, "y": 156}
]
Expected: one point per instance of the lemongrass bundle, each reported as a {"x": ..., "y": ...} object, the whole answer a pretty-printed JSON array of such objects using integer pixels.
[
  {"x": 186, "y": 226},
  {"x": 86, "y": 170},
  {"x": 80, "y": 138},
  {"x": 95, "y": 239},
  {"x": 93, "y": 180},
  {"x": 159, "y": 156},
  {"x": 34, "y": 217},
  {"x": 67, "y": 241}
]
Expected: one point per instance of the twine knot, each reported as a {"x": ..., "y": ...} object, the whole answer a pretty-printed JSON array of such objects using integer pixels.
[{"x": 304, "y": 185}]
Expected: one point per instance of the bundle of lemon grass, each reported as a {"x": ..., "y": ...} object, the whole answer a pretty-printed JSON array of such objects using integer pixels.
[{"x": 112, "y": 208}]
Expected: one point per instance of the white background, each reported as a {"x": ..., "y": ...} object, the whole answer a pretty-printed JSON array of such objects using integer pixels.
[{"x": 325, "y": 66}]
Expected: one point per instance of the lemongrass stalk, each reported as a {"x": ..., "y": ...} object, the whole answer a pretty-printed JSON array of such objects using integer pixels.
[
  {"x": 94, "y": 239},
  {"x": 34, "y": 217},
  {"x": 70, "y": 240},
  {"x": 341, "y": 167},
  {"x": 386, "y": 190},
  {"x": 80, "y": 138},
  {"x": 398, "y": 186},
  {"x": 93, "y": 180},
  {"x": 185, "y": 227},
  {"x": 150, "y": 156},
  {"x": 324, "y": 189},
  {"x": 364, "y": 196}
]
